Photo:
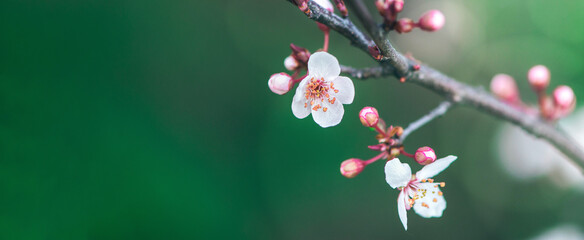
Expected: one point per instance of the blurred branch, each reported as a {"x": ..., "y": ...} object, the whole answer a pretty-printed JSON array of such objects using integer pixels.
[{"x": 396, "y": 64}]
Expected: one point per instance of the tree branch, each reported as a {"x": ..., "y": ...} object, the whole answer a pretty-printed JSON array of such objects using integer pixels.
[
  {"x": 364, "y": 73},
  {"x": 436, "y": 112},
  {"x": 436, "y": 81}
]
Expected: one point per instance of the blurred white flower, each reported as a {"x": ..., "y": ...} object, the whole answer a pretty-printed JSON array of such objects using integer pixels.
[
  {"x": 417, "y": 191},
  {"x": 526, "y": 157},
  {"x": 562, "y": 232},
  {"x": 323, "y": 92}
]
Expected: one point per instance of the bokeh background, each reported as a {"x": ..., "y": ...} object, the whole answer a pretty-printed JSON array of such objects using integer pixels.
[{"x": 153, "y": 120}]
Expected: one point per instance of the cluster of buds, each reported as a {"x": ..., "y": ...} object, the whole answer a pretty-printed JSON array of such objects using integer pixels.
[
  {"x": 389, "y": 145},
  {"x": 430, "y": 21},
  {"x": 298, "y": 60},
  {"x": 560, "y": 104},
  {"x": 281, "y": 83}
]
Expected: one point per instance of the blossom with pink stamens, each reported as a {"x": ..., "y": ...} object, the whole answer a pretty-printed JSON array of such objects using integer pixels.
[
  {"x": 418, "y": 191},
  {"x": 323, "y": 92}
]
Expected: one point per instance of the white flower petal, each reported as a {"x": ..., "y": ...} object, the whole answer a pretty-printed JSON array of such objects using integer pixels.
[
  {"x": 401, "y": 209},
  {"x": 299, "y": 101},
  {"x": 332, "y": 116},
  {"x": 430, "y": 201},
  {"x": 434, "y": 168},
  {"x": 323, "y": 65},
  {"x": 397, "y": 174},
  {"x": 346, "y": 89},
  {"x": 325, "y": 4}
]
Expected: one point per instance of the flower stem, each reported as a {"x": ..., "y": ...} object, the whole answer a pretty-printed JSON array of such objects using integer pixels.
[
  {"x": 436, "y": 112},
  {"x": 406, "y": 153},
  {"x": 326, "y": 40},
  {"x": 381, "y": 155}
]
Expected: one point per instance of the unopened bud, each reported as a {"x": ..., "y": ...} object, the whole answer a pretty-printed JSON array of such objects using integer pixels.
[
  {"x": 564, "y": 97},
  {"x": 382, "y": 6},
  {"x": 538, "y": 77},
  {"x": 431, "y": 21},
  {"x": 280, "y": 83},
  {"x": 369, "y": 116},
  {"x": 425, "y": 155},
  {"x": 374, "y": 51},
  {"x": 405, "y": 25},
  {"x": 352, "y": 167},
  {"x": 398, "y": 6},
  {"x": 325, "y": 4},
  {"x": 290, "y": 63},
  {"x": 300, "y": 54},
  {"x": 342, "y": 8},
  {"x": 504, "y": 87}
]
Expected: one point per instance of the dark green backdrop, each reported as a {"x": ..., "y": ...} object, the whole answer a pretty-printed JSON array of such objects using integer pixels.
[{"x": 153, "y": 120}]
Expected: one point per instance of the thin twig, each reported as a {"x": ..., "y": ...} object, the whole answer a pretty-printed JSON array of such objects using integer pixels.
[
  {"x": 436, "y": 112},
  {"x": 392, "y": 56},
  {"x": 446, "y": 86}
]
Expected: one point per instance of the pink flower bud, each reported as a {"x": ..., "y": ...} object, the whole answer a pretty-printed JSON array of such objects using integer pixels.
[
  {"x": 342, "y": 8},
  {"x": 431, "y": 21},
  {"x": 504, "y": 87},
  {"x": 564, "y": 97},
  {"x": 425, "y": 155},
  {"x": 369, "y": 116},
  {"x": 404, "y": 25},
  {"x": 352, "y": 167},
  {"x": 290, "y": 63},
  {"x": 538, "y": 77},
  {"x": 382, "y": 6},
  {"x": 398, "y": 6},
  {"x": 300, "y": 54},
  {"x": 280, "y": 83}
]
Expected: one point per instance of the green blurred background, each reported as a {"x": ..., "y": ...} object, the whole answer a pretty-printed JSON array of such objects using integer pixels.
[{"x": 153, "y": 120}]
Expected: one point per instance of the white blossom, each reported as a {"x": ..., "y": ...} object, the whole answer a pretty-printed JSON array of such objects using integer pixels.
[
  {"x": 418, "y": 191},
  {"x": 323, "y": 92},
  {"x": 527, "y": 157}
]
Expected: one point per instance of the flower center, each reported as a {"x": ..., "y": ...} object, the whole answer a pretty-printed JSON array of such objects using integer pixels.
[
  {"x": 317, "y": 91},
  {"x": 417, "y": 192}
]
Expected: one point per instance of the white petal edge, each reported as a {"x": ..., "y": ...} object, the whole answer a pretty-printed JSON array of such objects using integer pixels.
[
  {"x": 331, "y": 117},
  {"x": 299, "y": 100},
  {"x": 436, "y": 167},
  {"x": 323, "y": 64},
  {"x": 397, "y": 174},
  {"x": 433, "y": 209},
  {"x": 325, "y": 4},
  {"x": 401, "y": 209},
  {"x": 346, "y": 89}
]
